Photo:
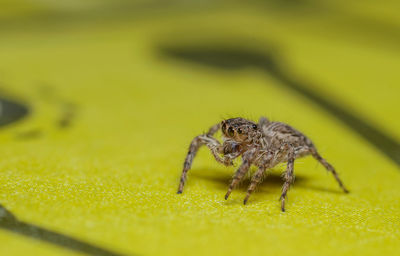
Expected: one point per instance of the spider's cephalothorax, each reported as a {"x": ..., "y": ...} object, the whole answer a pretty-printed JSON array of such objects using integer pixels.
[
  {"x": 264, "y": 145},
  {"x": 240, "y": 130}
]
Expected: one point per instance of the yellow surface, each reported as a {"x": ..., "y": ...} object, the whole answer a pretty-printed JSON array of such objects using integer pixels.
[{"x": 111, "y": 177}]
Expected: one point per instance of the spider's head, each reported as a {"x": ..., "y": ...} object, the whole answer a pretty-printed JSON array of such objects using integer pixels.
[{"x": 238, "y": 129}]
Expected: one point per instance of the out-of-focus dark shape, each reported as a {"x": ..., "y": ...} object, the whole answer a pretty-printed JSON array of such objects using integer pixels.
[
  {"x": 11, "y": 111},
  {"x": 9, "y": 222},
  {"x": 66, "y": 108},
  {"x": 234, "y": 58},
  {"x": 336, "y": 19},
  {"x": 29, "y": 134},
  {"x": 68, "y": 113}
]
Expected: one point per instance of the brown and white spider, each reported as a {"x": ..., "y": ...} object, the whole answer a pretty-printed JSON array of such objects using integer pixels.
[{"x": 264, "y": 145}]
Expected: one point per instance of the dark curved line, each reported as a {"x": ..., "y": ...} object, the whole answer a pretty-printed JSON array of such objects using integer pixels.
[
  {"x": 9, "y": 222},
  {"x": 379, "y": 139},
  {"x": 238, "y": 58}
]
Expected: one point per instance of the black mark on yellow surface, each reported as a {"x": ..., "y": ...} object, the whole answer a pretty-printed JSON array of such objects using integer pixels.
[
  {"x": 11, "y": 111},
  {"x": 67, "y": 116},
  {"x": 9, "y": 222},
  {"x": 67, "y": 110},
  {"x": 236, "y": 58}
]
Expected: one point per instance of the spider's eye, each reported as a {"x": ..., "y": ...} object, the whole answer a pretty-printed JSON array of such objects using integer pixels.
[
  {"x": 254, "y": 126},
  {"x": 240, "y": 131},
  {"x": 224, "y": 126},
  {"x": 231, "y": 132}
]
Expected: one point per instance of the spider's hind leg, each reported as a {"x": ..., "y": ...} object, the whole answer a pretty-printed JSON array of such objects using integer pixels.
[
  {"x": 328, "y": 166},
  {"x": 263, "y": 121},
  {"x": 288, "y": 175}
]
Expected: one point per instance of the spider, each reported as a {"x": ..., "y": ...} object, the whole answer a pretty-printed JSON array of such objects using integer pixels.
[{"x": 264, "y": 145}]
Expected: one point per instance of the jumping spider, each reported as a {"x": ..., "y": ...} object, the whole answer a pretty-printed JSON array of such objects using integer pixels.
[{"x": 264, "y": 145}]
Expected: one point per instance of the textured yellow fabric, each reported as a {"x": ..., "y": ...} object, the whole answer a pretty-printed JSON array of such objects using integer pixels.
[{"x": 110, "y": 177}]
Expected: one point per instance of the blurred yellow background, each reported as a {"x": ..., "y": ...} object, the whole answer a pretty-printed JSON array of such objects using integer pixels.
[{"x": 100, "y": 100}]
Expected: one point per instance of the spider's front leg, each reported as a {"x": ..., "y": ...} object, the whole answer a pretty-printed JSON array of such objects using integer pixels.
[
  {"x": 243, "y": 169},
  {"x": 212, "y": 143},
  {"x": 257, "y": 177}
]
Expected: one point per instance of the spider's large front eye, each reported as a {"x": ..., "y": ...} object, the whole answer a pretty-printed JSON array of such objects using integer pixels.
[
  {"x": 231, "y": 132},
  {"x": 240, "y": 131}
]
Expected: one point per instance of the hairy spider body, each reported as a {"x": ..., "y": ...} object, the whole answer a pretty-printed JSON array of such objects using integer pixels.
[{"x": 264, "y": 145}]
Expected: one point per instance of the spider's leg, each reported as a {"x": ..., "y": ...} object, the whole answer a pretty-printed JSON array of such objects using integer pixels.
[
  {"x": 212, "y": 143},
  {"x": 242, "y": 170},
  {"x": 263, "y": 124},
  {"x": 263, "y": 121},
  {"x": 213, "y": 129},
  {"x": 255, "y": 180},
  {"x": 288, "y": 176},
  {"x": 257, "y": 177},
  {"x": 328, "y": 166}
]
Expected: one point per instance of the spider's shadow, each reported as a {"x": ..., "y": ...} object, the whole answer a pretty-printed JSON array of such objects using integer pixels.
[{"x": 272, "y": 182}]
